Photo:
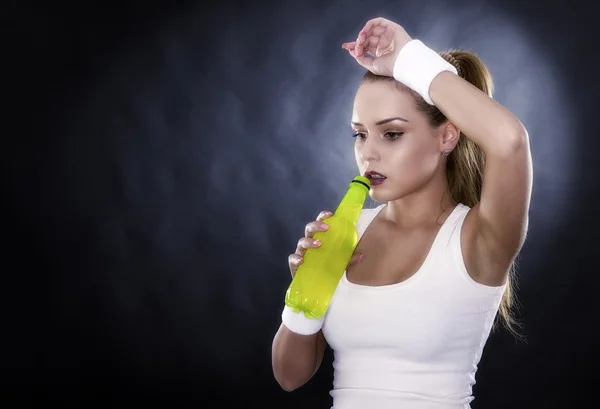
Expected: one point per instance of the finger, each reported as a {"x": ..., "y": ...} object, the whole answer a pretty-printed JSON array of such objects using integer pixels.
[
  {"x": 373, "y": 25},
  {"x": 355, "y": 259},
  {"x": 364, "y": 60},
  {"x": 365, "y": 42},
  {"x": 371, "y": 36},
  {"x": 378, "y": 44},
  {"x": 349, "y": 46},
  {"x": 324, "y": 215},
  {"x": 306, "y": 243},
  {"x": 313, "y": 227},
  {"x": 360, "y": 44},
  {"x": 371, "y": 46},
  {"x": 376, "y": 33},
  {"x": 294, "y": 260},
  {"x": 369, "y": 41},
  {"x": 375, "y": 22}
]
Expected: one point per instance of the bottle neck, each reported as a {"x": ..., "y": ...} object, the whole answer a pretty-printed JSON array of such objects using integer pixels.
[{"x": 353, "y": 202}]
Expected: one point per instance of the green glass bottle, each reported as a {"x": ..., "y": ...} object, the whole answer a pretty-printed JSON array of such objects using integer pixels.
[{"x": 318, "y": 276}]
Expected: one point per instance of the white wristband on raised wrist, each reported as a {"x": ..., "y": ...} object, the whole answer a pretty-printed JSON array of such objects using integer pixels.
[
  {"x": 417, "y": 65},
  {"x": 297, "y": 322}
]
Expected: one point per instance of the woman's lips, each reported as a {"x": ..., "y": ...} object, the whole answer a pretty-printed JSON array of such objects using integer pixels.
[{"x": 375, "y": 178}]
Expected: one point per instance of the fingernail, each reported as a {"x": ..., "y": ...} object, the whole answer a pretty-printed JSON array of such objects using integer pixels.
[
  {"x": 324, "y": 226},
  {"x": 317, "y": 243}
]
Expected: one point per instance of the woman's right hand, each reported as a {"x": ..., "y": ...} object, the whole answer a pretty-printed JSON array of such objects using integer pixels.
[{"x": 306, "y": 242}]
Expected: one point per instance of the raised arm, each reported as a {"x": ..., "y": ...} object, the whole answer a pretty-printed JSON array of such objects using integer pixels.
[{"x": 499, "y": 222}]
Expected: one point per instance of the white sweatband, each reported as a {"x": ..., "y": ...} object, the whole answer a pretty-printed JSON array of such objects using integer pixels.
[
  {"x": 297, "y": 322},
  {"x": 417, "y": 65}
]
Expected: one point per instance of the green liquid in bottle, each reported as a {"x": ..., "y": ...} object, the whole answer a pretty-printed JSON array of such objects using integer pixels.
[{"x": 318, "y": 276}]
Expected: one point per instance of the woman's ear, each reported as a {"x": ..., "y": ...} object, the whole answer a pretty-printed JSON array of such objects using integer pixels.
[{"x": 449, "y": 136}]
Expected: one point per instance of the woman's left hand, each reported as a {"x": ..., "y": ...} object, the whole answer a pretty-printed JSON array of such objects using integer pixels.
[{"x": 382, "y": 39}]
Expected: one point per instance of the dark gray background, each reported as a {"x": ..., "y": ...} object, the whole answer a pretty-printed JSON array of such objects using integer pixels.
[{"x": 160, "y": 162}]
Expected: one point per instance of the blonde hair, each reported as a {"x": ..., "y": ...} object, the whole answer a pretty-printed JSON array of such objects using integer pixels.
[{"x": 465, "y": 164}]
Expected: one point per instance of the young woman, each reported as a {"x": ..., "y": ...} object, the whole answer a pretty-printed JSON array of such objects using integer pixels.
[{"x": 452, "y": 167}]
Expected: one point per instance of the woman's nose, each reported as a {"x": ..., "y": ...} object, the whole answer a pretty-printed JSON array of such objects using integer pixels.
[{"x": 369, "y": 151}]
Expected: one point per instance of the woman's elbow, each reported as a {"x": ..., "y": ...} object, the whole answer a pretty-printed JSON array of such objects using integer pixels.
[{"x": 288, "y": 385}]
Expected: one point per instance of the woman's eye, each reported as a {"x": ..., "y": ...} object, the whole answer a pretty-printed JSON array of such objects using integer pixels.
[
  {"x": 387, "y": 135},
  {"x": 393, "y": 135}
]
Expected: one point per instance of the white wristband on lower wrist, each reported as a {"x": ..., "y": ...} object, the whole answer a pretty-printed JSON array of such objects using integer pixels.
[
  {"x": 297, "y": 322},
  {"x": 417, "y": 65}
]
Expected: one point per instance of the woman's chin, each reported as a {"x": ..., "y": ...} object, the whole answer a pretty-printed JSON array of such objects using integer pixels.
[{"x": 380, "y": 196}]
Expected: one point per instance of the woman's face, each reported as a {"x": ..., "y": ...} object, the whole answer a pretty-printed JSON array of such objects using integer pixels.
[{"x": 393, "y": 139}]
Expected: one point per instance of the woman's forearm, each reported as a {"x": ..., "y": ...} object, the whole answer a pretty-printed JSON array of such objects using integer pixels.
[{"x": 296, "y": 358}]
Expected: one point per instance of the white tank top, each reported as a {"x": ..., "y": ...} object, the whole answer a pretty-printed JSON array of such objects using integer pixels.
[{"x": 415, "y": 344}]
